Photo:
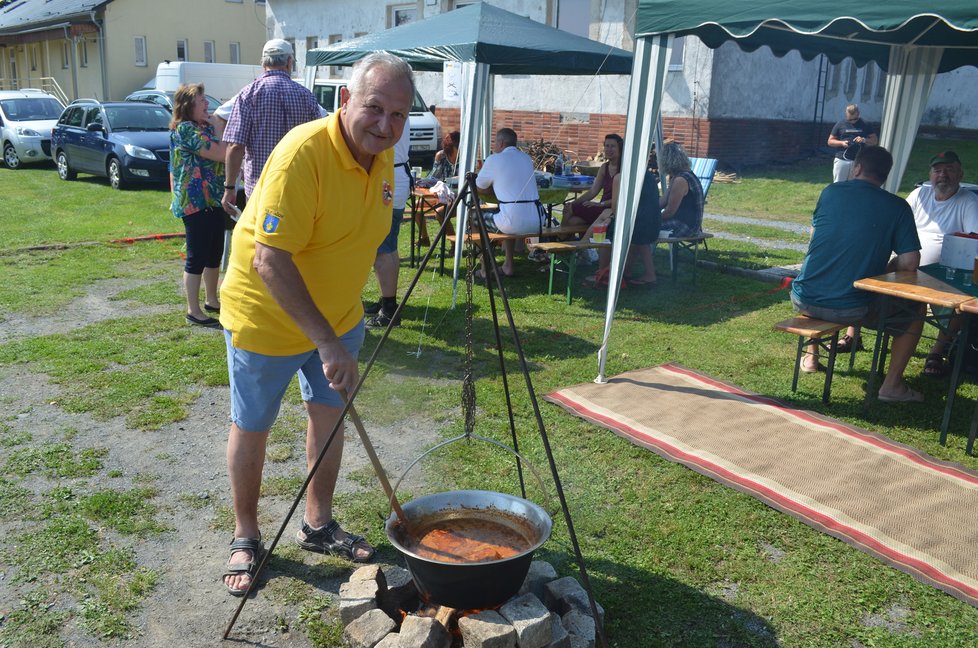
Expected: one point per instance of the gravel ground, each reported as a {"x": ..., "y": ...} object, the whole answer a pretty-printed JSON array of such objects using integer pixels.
[{"x": 189, "y": 606}]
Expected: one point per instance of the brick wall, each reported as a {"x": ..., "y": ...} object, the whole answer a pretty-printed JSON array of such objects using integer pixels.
[{"x": 735, "y": 142}]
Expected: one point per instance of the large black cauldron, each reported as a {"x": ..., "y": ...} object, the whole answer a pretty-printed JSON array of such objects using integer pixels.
[{"x": 471, "y": 585}]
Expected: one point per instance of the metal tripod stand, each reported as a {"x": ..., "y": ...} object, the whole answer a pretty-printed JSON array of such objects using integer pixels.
[{"x": 476, "y": 231}]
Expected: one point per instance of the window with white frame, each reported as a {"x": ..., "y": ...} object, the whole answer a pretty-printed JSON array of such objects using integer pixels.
[
  {"x": 835, "y": 80},
  {"x": 678, "y": 54},
  {"x": 574, "y": 16},
  {"x": 182, "y": 49},
  {"x": 139, "y": 45},
  {"x": 401, "y": 14},
  {"x": 458, "y": 4},
  {"x": 83, "y": 53},
  {"x": 311, "y": 43},
  {"x": 209, "y": 52},
  {"x": 65, "y": 55},
  {"x": 868, "y": 81},
  {"x": 235, "y": 53},
  {"x": 335, "y": 70},
  {"x": 852, "y": 80},
  {"x": 291, "y": 42}
]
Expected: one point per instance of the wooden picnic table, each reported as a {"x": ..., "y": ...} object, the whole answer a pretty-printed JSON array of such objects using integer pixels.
[{"x": 922, "y": 288}]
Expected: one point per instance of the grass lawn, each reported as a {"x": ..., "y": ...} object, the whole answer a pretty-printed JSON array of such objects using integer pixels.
[
  {"x": 789, "y": 192},
  {"x": 676, "y": 559}
]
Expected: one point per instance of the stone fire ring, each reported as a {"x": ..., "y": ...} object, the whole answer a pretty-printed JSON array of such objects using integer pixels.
[{"x": 547, "y": 612}]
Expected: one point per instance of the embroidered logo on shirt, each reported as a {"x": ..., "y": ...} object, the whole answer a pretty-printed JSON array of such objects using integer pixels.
[
  {"x": 388, "y": 194},
  {"x": 270, "y": 224}
]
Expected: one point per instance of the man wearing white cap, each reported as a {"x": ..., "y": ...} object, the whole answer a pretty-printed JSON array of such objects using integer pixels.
[{"x": 265, "y": 110}]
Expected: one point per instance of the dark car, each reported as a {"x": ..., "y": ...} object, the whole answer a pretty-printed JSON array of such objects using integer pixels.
[
  {"x": 123, "y": 141},
  {"x": 165, "y": 98}
]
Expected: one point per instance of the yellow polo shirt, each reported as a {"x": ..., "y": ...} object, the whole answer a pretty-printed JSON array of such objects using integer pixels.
[{"x": 316, "y": 202}]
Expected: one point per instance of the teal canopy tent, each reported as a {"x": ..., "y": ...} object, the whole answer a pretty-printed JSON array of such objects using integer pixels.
[
  {"x": 487, "y": 41},
  {"x": 911, "y": 42}
]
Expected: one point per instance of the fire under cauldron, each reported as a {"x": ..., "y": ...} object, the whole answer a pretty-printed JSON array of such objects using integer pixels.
[{"x": 470, "y": 585}]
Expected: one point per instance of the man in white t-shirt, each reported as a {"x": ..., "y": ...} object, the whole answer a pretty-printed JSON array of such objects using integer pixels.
[
  {"x": 508, "y": 173},
  {"x": 940, "y": 208}
]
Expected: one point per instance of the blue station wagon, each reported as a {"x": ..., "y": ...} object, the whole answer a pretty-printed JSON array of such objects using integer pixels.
[{"x": 126, "y": 142}]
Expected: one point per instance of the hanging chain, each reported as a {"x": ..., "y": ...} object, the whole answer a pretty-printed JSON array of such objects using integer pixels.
[{"x": 468, "y": 381}]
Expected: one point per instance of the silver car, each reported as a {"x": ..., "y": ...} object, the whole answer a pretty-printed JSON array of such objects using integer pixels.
[{"x": 26, "y": 119}]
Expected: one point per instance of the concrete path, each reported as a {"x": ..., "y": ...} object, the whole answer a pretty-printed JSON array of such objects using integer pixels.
[
  {"x": 775, "y": 274},
  {"x": 794, "y": 228}
]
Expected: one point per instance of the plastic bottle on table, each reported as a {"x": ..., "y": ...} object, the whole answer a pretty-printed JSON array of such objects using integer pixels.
[{"x": 559, "y": 164}]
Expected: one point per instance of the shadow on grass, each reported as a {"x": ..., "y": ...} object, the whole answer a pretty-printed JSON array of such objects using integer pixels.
[{"x": 648, "y": 609}]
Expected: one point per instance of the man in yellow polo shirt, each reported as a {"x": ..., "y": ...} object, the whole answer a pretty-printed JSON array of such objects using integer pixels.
[{"x": 301, "y": 254}]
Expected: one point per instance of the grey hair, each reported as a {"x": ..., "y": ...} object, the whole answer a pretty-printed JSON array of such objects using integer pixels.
[
  {"x": 506, "y": 136},
  {"x": 379, "y": 59},
  {"x": 275, "y": 60},
  {"x": 673, "y": 159}
]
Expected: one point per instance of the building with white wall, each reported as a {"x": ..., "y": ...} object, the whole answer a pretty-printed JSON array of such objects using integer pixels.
[{"x": 741, "y": 107}]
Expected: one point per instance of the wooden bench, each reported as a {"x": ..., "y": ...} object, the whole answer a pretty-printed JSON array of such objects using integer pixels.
[
  {"x": 564, "y": 253},
  {"x": 814, "y": 331},
  {"x": 684, "y": 243},
  {"x": 558, "y": 232}
]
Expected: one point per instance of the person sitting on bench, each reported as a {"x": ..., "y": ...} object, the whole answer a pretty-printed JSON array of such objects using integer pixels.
[
  {"x": 682, "y": 204},
  {"x": 644, "y": 234},
  {"x": 508, "y": 173},
  {"x": 856, "y": 226}
]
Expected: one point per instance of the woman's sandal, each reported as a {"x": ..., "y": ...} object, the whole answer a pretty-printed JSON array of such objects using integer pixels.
[
  {"x": 250, "y": 568},
  {"x": 324, "y": 541},
  {"x": 935, "y": 366}
]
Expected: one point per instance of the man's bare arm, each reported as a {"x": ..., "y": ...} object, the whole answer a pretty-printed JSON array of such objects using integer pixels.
[
  {"x": 907, "y": 261},
  {"x": 232, "y": 167},
  {"x": 280, "y": 274}
]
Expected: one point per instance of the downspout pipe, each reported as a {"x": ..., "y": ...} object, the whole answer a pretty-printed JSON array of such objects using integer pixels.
[{"x": 101, "y": 56}]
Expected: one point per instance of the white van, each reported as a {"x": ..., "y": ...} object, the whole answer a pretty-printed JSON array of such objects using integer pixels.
[
  {"x": 26, "y": 119},
  {"x": 425, "y": 129},
  {"x": 221, "y": 80}
]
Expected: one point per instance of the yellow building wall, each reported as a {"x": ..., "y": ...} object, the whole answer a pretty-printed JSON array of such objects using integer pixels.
[
  {"x": 161, "y": 24},
  {"x": 164, "y": 23}
]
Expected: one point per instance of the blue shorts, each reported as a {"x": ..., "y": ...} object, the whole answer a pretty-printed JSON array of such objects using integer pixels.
[
  {"x": 389, "y": 246},
  {"x": 258, "y": 381}
]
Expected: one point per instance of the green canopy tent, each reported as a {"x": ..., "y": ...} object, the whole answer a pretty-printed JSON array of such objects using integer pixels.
[
  {"x": 910, "y": 42},
  {"x": 487, "y": 41}
]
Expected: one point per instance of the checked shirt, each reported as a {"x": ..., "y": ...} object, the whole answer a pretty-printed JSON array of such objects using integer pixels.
[{"x": 265, "y": 110}]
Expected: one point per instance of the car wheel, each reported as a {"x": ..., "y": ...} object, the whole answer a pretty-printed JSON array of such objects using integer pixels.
[
  {"x": 64, "y": 171},
  {"x": 10, "y": 156},
  {"x": 115, "y": 174}
]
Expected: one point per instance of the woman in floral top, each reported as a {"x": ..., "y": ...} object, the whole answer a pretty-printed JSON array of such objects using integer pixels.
[{"x": 197, "y": 181}]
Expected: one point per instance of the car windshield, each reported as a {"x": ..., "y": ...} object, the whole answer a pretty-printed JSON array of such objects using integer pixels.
[
  {"x": 137, "y": 117},
  {"x": 418, "y": 105},
  {"x": 31, "y": 109}
]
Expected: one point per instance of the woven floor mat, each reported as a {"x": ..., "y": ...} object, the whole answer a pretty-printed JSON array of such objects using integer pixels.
[{"x": 892, "y": 501}]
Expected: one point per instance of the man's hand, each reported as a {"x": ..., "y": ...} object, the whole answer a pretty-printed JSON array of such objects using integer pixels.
[
  {"x": 228, "y": 202},
  {"x": 339, "y": 366}
]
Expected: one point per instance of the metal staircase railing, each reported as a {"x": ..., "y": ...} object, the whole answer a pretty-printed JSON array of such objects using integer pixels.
[{"x": 47, "y": 84}]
